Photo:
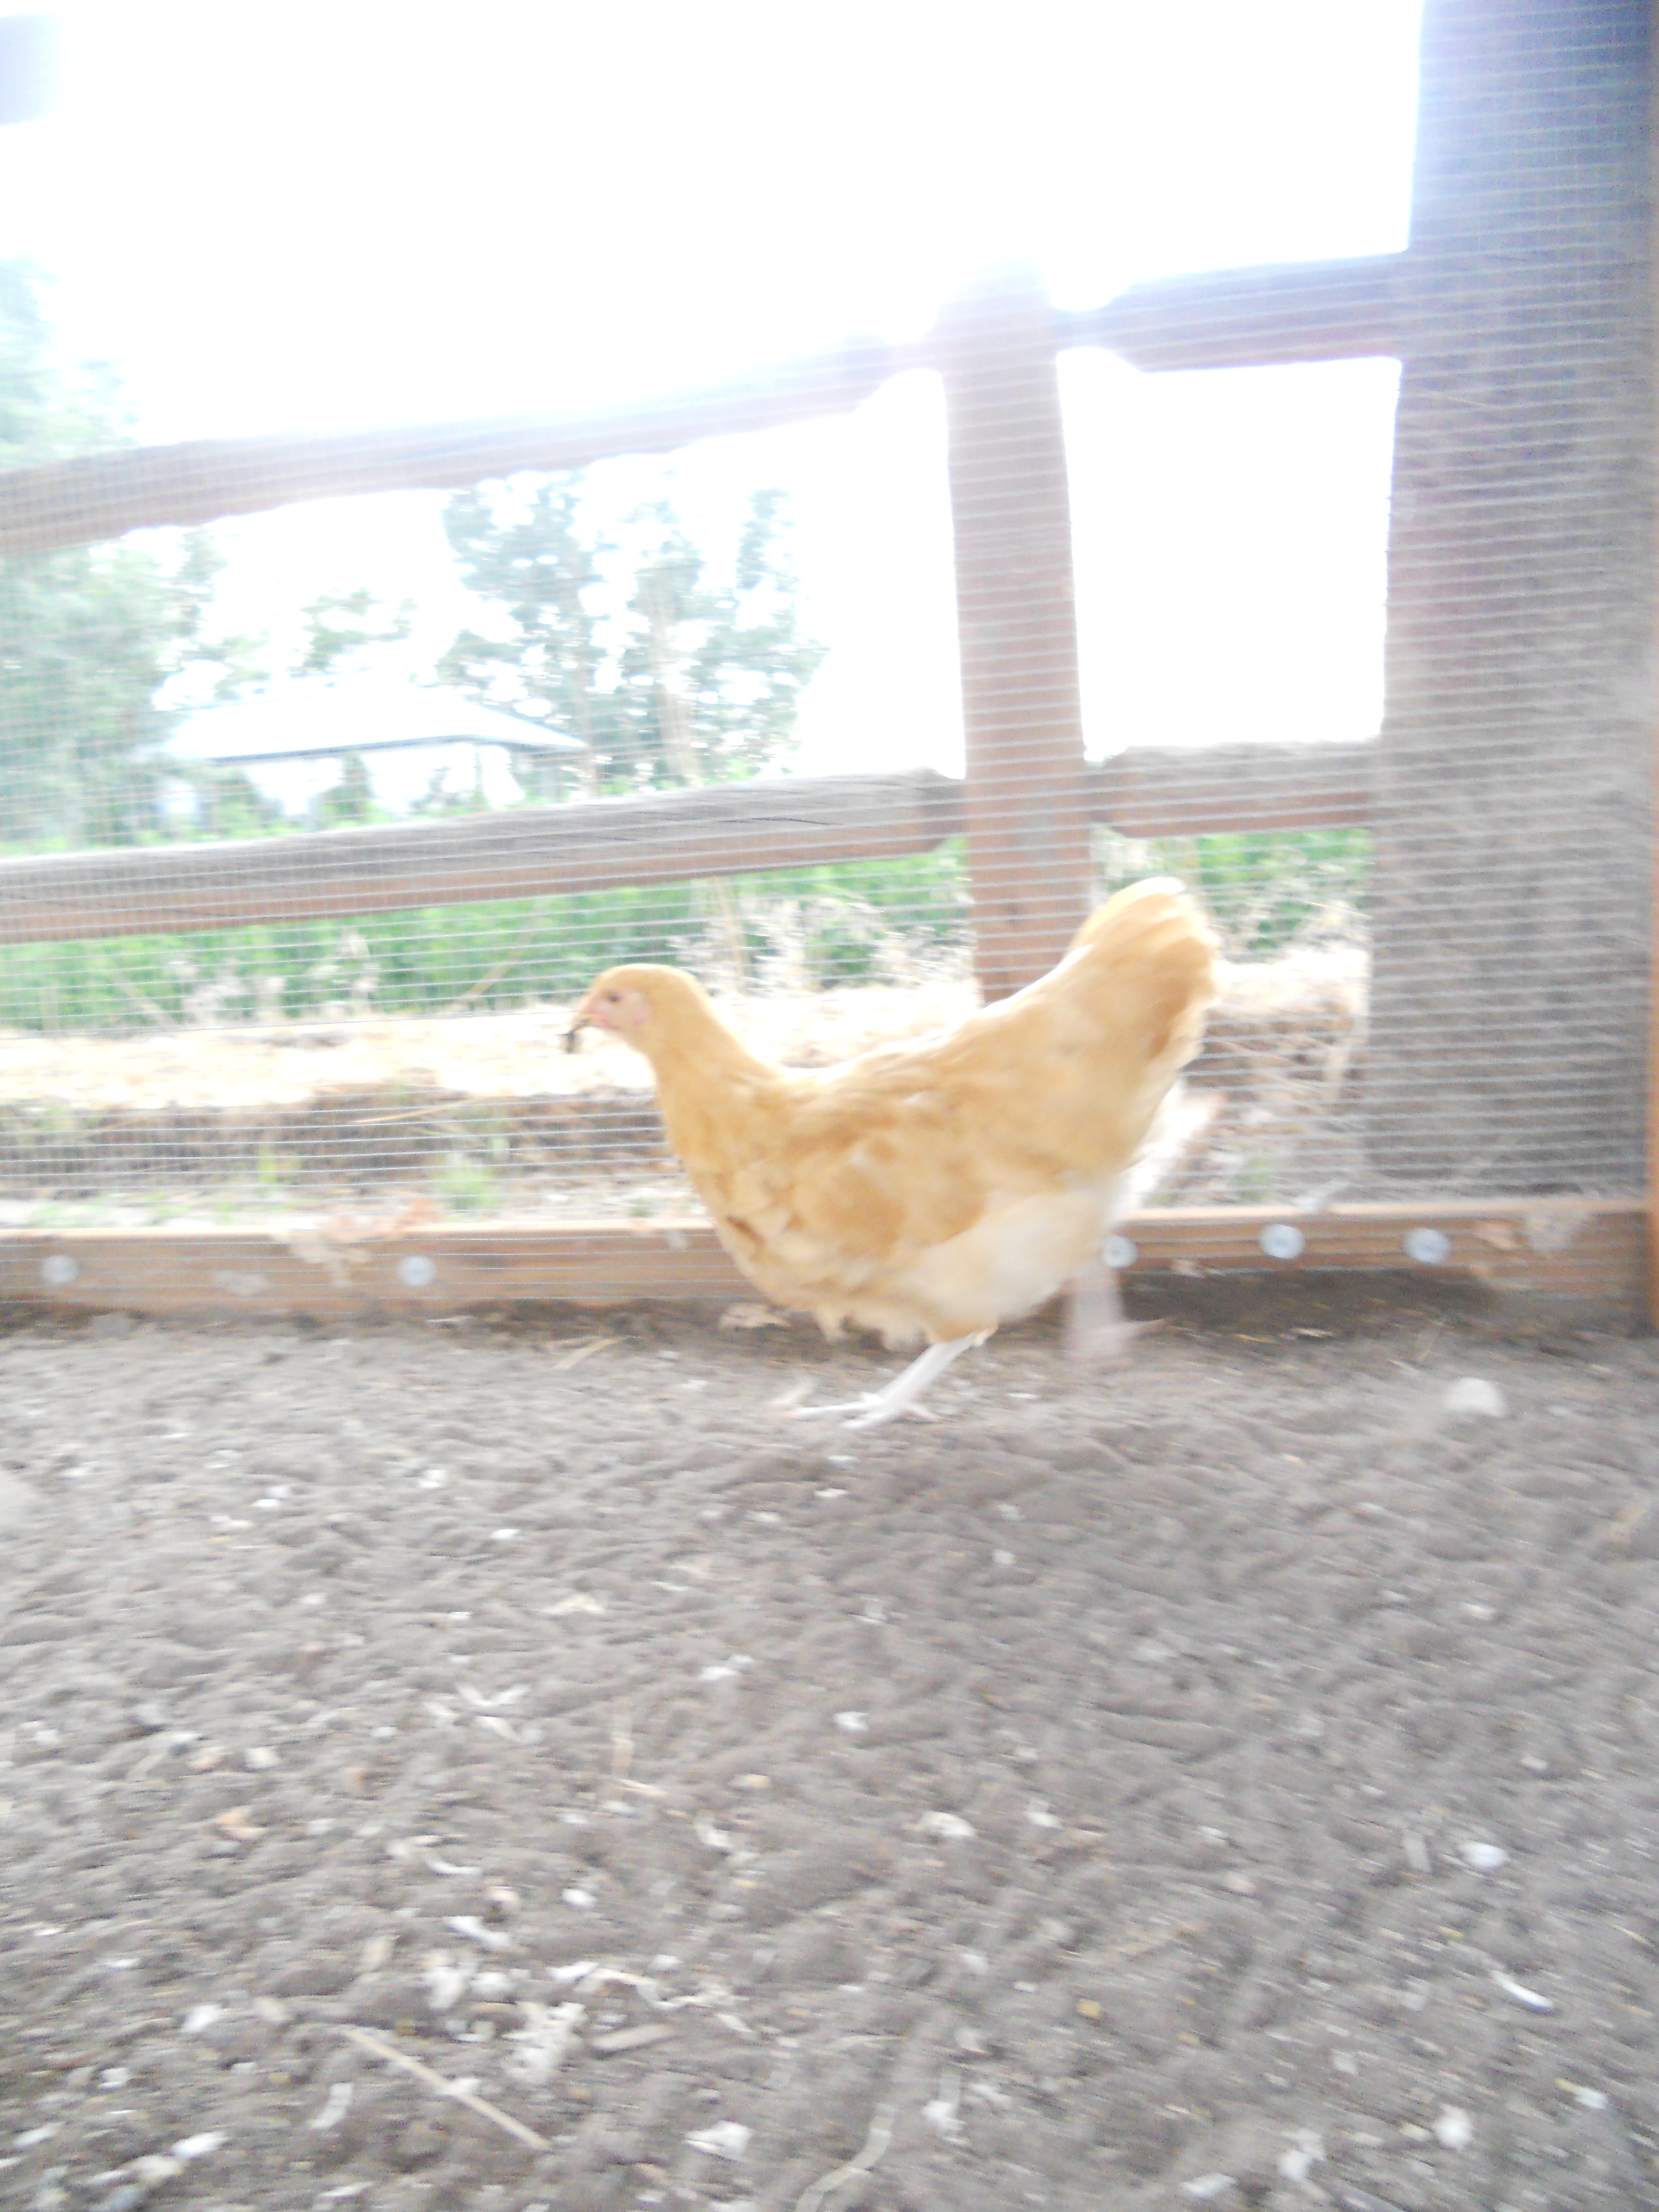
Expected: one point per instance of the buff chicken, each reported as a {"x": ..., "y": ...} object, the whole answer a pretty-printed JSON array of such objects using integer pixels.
[{"x": 935, "y": 1189}]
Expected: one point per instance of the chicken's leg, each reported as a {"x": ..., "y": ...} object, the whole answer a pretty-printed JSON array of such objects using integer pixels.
[
  {"x": 902, "y": 1393},
  {"x": 1096, "y": 1329}
]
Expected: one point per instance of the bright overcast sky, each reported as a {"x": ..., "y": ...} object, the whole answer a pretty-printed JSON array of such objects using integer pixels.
[{"x": 362, "y": 212}]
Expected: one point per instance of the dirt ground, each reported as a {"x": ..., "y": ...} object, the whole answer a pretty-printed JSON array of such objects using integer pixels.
[{"x": 1227, "y": 1783}]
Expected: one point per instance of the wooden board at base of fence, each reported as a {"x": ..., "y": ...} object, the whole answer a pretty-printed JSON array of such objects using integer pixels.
[{"x": 1585, "y": 1257}]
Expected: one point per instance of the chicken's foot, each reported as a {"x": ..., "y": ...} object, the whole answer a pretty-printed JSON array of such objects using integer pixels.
[
  {"x": 1096, "y": 1330},
  {"x": 901, "y": 1395}
]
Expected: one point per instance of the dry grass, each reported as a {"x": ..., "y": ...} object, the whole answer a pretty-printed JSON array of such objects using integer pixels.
[{"x": 484, "y": 1115}]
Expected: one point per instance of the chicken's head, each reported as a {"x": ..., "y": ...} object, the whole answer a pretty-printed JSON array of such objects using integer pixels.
[{"x": 645, "y": 1007}]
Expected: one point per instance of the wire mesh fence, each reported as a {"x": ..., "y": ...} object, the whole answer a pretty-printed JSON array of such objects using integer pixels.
[{"x": 293, "y": 916}]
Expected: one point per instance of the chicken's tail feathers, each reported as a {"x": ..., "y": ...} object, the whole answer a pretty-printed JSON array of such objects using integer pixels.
[
  {"x": 1153, "y": 952},
  {"x": 1140, "y": 906}
]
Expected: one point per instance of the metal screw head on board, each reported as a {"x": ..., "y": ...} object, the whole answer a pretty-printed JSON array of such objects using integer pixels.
[
  {"x": 416, "y": 1272},
  {"x": 1283, "y": 1240},
  {"x": 1430, "y": 1248}
]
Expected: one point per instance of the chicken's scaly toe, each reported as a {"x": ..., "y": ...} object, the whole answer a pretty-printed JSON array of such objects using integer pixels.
[
  {"x": 902, "y": 1393},
  {"x": 869, "y": 1411}
]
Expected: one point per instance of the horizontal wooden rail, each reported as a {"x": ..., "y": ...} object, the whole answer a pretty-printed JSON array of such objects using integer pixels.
[
  {"x": 100, "y": 495},
  {"x": 671, "y": 837},
  {"x": 1154, "y": 791},
  {"x": 1582, "y": 1258},
  {"x": 1260, "y": 318},
  {"x": 1228, "y": 319}
]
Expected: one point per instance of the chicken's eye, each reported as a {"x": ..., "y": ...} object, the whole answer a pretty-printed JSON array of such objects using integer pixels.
[{"x": 613, "y": 997}]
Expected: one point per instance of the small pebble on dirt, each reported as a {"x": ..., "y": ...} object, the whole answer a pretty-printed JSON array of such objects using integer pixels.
[
  {"x": 1485, "y": 1858},
  {"x": 1473, "y": 1394},
  {"x": 1453, "y": 2128},
  {"x": 949, "y": 1827},
  {"x": 1532, "y": 1999},
  {"x": 726, "y": 2139}
]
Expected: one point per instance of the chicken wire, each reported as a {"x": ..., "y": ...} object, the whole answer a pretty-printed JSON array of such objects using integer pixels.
[{"x": 1437, "y": 932}]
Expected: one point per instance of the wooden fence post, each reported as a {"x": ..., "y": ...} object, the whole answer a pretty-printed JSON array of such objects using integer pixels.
[
  {"x": 1027, "y": 804},
  {"x": 1651, "y": 1133},
  {"x": 1513, "y": 786}
]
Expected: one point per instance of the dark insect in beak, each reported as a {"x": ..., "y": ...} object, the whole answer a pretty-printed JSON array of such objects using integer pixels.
[{"x": 572, "y": 1033}]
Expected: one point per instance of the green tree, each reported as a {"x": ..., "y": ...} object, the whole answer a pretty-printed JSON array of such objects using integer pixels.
[
  {"x": 351, "y": 800},
  {"x": 710, "y": 680},
  {"x": 703, "y": 683},
  {"x": 542, "y": 659},
  {"x": 88, "y": 636},
  {"x": 673, "y": 618},
  {"x": 342, "y": 626},
  {"x": 754, "y": 663}
]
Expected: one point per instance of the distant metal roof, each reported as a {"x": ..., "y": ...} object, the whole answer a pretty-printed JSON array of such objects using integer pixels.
[{"x": 302, "y": 721}]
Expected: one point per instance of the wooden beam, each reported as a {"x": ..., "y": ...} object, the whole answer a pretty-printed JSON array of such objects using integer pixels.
[
  {"x": 100, "y": 495},
  {"x": 673, "y": 836},
  {"x": 1258, "y": 318},
  {"x": 1320, "y": 310},
  {"x": 1652, "y": 1126},
  {"x": 1582, "y": 1252},
  {"x": 232, "y": 1271},
  {"x": 723, "y": 830},
  {"x": 1176, "y": 792},
  {"x": 1586, "y": 1255},
  {"x": 1512, "y": 915},
  {"x": 1026, "y": 798}
]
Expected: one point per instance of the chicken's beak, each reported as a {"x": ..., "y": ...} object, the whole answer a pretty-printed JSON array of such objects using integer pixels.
[{"x": 578, "y": 1022}]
